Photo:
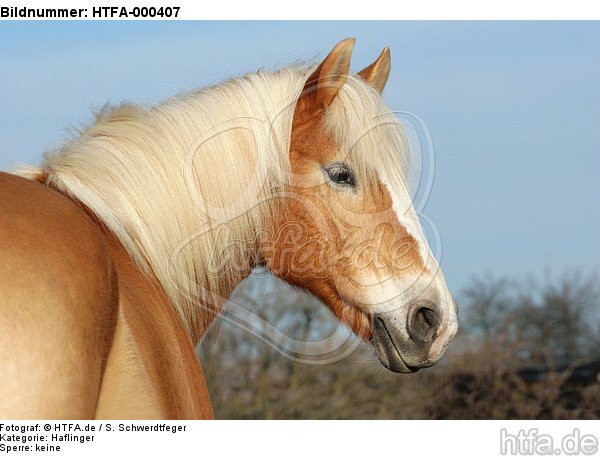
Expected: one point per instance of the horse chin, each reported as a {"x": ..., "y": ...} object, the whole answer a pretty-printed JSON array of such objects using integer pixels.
[{"x": 388, "y": 354}]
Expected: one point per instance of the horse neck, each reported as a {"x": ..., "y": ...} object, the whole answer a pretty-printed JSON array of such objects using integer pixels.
[{"x": 187, "y": 186}]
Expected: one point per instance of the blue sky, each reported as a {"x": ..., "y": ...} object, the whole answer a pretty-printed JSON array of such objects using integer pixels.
[{"x": 514, "y": 110}]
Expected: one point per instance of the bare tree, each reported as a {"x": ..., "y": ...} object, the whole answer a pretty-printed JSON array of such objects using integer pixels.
[
  {"x": 510, "y": 325},
  {"x": 489, "y": 304}
]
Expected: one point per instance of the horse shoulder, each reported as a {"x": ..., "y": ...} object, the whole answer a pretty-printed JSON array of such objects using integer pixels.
[
  {"x": 58, "y": 304},
  {"x": 152, "y": 371}
]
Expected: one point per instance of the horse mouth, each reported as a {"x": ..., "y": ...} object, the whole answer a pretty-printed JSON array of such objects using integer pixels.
[{"x": 386, "y": 350}]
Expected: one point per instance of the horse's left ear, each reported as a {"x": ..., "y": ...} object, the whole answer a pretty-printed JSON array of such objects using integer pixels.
[{"x": 377, "y": 73}]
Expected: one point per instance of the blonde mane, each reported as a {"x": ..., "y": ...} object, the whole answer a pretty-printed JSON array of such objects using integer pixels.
[{"x": 180, "y": 182}]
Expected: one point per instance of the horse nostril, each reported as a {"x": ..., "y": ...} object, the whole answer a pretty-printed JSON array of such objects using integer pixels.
[{"x": 423, "y": 325}]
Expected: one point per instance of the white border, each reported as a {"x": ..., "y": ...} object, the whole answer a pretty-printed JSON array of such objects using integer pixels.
[
  {"x": 302, "y": 438},
  {"x": 350, "y": 9}
]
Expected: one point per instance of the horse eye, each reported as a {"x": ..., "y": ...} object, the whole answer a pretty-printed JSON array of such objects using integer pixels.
[{"x": 341, "y": 174}]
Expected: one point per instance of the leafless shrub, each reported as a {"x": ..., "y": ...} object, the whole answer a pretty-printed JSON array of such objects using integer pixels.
[{"x": 508, "y": 328}]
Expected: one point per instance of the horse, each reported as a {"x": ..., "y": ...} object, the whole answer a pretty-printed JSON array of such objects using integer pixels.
[{"x": 121, "y": 247}]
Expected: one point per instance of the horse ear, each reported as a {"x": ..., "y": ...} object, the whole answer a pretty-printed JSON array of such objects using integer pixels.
[
  {"x": 377, "y": 73},
  {"x": 325, "y": 82}
]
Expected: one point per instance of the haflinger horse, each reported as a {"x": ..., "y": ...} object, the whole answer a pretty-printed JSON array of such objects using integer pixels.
[{"x": 121, "y": 248}]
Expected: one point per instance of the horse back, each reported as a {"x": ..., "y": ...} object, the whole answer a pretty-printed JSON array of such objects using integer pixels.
[
  {"x": 84, "y": 333},
  {"x": 58, "y": 303}
]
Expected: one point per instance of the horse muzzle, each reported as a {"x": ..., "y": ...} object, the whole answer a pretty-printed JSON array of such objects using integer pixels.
[{"x": 413, "y": 339}]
